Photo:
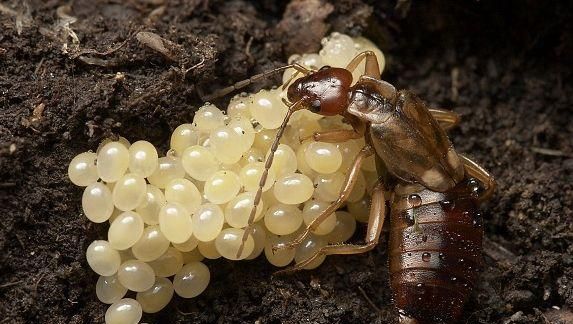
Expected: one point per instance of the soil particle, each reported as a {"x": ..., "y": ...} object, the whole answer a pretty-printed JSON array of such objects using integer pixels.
[
  {"x": 308, "y": 15},
  {"x": 505, "y": 66}
]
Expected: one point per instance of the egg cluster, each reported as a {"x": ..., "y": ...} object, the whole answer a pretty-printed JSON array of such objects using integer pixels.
[{"x": 168, "y": 213}]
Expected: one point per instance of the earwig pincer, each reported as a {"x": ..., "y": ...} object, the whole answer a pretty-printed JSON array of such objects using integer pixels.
[{"x": 435, "y": 229}]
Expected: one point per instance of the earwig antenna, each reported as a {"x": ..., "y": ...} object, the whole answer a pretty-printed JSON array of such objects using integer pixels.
[
  {"x": 241, "y": 84},
  {"x": 296, "y": 106}
]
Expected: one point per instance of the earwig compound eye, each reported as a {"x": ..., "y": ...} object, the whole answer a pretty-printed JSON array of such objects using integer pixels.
[
  {"x": 170, "y": 211},
  {"x": 315, "y": 106}
]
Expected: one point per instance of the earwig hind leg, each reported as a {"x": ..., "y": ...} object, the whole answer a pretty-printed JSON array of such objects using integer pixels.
[
  {"x": 371, "y": 68},
  {"x": 446, "y": 118},
  {"x": 476, "y": 171},
  {"x": 347, "y": 187},
  {"x": 375, "y": 224}
]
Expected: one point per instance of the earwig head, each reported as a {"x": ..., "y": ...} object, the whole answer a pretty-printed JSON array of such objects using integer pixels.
[{"x": 325, "y": 91}]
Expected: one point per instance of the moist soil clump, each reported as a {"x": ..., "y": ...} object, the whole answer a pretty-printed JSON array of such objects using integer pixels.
[{"x": 71, "y": 76}]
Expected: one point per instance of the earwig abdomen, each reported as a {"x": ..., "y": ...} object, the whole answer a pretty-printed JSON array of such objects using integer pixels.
[{"x": 435, "y": 251}]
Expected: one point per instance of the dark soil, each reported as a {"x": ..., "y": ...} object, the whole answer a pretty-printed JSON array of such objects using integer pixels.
[{"x": 505, "y": 66}]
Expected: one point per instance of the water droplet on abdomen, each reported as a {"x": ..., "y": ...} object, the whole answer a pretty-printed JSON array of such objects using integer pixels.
[
  {"x": 447, "y": 204},
  {"x": 474, "y": 187},
  {"x": 414, "y": 200},
  {"x": 410, "y": 218}
]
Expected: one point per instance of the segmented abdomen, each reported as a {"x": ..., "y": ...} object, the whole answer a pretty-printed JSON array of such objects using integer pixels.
[{"x": 435, "y": 252}]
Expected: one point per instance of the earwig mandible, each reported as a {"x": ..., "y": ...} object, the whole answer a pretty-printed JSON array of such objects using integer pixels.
[{"x": 435, "y": 229}]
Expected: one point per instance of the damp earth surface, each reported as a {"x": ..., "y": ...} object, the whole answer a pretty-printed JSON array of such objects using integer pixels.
[{"x": 71, "y": 77}]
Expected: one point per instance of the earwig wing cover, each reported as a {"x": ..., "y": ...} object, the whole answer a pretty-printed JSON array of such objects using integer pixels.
[{"x": 415, "y": 148}]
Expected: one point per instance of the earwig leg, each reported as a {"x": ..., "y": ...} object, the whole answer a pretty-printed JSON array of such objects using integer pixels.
[
  {"x": 347, "y": 187},
  {"x": 382, "y": 87},
  {"x": 446, "y": 118},
  {"x": 371, "y": 68},
  {"x": 476, "y": 171},
  {"x": 342, "y": 135},
  {"x": 375, "y": 224},
  {"x": 336, "y": 136}
]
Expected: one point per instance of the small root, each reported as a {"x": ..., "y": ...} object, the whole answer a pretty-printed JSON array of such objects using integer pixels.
[
  {"x": 498, "y": 252},
  {"x": 7, "y": 11},
  {"x": 96, "y": 61},
  {"x": 403, "y": 7},
  {"x": 153, "y": 91},
  {"x": 455, "y": 84},
  {"x": 10, "y": 284},
  {"x": 182, "y": 312},
  {"x": 38, "y": 283},
  {"x": 550, "y": 152},
  {"x": 37, "y": 69},
  {"x": 22, "y": 17},
  {"x": 248, "y": 50},
  {"x": 64, "y": 30},
  {"x": 370, "y": 302}
]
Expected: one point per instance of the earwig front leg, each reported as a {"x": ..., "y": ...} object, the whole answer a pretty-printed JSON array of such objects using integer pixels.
[
  {"x": 342, "y": 135},
  {"x": 476, "y": 171},
  {"x": 336, "y": 136},
  {"x": 375, "y": 224},
  {"x": 371, "y": 68},
  {"x": 347, "y": 187},
  {"x": 446, "y": 118}
]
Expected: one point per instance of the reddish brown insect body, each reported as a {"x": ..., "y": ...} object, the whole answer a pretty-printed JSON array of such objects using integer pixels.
[
  {"x": 434, "y": 251},
  {"x": 435, "y": 230}
]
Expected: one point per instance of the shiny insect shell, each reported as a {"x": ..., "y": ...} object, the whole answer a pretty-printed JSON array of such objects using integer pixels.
[{"x": 435, "y": 229}]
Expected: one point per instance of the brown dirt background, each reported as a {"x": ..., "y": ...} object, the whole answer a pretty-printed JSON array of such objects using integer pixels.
[{"x": 505, "y": 66}]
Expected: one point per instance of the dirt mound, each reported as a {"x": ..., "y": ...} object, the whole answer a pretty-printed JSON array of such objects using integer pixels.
[{"x": 72, "y": 76}]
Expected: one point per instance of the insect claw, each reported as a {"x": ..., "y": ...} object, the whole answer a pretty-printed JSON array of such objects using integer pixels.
[
  {"x": 313, "y": 136},
  {"x": 283, "y": 246},
  {"x": 286, "y": 102}
]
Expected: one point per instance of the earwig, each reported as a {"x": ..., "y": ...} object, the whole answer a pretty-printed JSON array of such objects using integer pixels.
[{"x": 435, "y": 229}]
